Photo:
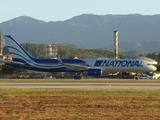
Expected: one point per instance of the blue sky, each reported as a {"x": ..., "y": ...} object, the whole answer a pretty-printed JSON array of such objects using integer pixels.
[{"x": 55, "y": 10}]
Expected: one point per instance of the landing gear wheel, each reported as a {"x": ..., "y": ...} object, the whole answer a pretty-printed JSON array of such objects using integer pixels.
[
  {"x": 77, "y": 77},
  {"x": 136, "y": 77}
]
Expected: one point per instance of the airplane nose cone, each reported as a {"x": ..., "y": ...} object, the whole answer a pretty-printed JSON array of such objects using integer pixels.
[{"x": 153, "y": 68}]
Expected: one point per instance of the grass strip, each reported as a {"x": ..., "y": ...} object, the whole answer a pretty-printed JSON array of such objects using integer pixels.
[{"x": 87, "y": 91}]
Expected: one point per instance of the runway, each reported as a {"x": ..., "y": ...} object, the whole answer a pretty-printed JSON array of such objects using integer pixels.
[{"x": 83, "y": 85}]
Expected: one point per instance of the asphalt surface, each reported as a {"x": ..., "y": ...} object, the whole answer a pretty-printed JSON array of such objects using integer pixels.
[{"x": 83, "y": 85}]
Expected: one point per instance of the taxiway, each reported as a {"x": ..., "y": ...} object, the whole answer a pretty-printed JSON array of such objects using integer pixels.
[{"x": 83, "y": 85}]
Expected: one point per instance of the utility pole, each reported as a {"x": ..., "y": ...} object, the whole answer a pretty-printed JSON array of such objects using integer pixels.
[
  {"x": 116, "y": 44},
  {"x": 1, "y": 49}
]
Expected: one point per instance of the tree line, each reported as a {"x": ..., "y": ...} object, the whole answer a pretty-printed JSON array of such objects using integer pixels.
[{"x": 38, "y": 51}]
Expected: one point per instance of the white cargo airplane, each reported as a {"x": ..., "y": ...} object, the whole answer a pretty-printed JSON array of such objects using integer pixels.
[{"x": 90, "y": 67}]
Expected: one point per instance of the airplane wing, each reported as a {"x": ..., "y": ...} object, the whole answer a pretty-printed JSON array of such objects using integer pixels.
[
  {"x": 74, "y": 66},
  {"x": 13, "y": 62}
]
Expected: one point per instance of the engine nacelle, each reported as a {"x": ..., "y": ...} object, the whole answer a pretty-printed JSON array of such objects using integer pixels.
[{"x": 94, "y": 72}]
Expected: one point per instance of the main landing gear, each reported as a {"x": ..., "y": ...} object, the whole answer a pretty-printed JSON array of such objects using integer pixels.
[{"x": 78, "y": 75}]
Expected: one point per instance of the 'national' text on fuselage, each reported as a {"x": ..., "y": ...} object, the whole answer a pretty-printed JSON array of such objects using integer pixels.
[{"x": 119, "y": 63}]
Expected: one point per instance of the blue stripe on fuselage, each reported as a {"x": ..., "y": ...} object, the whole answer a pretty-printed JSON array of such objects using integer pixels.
[{"x": 48, "y": 64}]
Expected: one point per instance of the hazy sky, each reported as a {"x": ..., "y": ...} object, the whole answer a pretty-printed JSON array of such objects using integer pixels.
[{"x": 55, "y": 10}]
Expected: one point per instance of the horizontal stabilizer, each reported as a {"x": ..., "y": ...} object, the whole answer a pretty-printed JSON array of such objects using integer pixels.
[{"x": 11, "y": 62}]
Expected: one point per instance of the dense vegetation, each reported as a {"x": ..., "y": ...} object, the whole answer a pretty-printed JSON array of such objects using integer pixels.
[{"x": 37, "y": 50}]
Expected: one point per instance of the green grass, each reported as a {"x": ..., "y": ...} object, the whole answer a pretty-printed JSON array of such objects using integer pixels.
[{"x": 6, "y": 91}]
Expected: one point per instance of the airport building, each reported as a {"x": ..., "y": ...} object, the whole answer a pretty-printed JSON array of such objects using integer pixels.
[{"x": 51, "y": 51}]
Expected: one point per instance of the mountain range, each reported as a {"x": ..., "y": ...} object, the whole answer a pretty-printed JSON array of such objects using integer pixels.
[{"x": 136, "y": 32}]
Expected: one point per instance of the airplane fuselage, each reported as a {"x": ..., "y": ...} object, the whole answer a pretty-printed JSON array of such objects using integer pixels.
[
  {"x": 107, "y": 65},
  {"x": 123, "y": 65}
]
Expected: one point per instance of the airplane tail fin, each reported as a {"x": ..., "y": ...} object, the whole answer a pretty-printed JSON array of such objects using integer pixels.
[{"x": 15, "y": 49}]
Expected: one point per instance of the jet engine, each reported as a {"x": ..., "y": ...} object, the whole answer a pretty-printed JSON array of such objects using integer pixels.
[{"x": 93, "y": 72}]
